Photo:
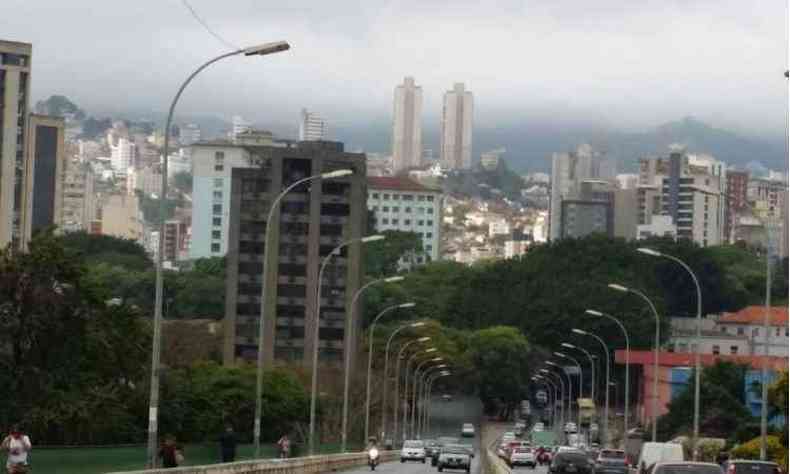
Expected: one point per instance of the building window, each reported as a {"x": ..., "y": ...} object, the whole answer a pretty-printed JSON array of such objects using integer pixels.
[
  {"x": 215, "y": 247},
  {"x": 408, "y": 197},
  {"x": 740, "y": 331},
  {"x": 778, "y": 332},
  {"x": 683, "y": 347},
  {"x": 386, "y": 197},
  {"x": 420, "y": 222},
  {"x": 723, "y": 329},
  {"x": 219, "y": 161},
  {"x": 216, "y": 234},
  {"x": 430, "y": 210},
  {"x": 385, "y": 208},
  {"x": 756, "y": 332},
  {"x": 217, "y": 221},
  {"x": 429, "y": 247},
  {"x": 375, "y": 208},
  {"x": 429, "y": 235},
  {"x": 407, "y": 209},
  {"x": 217, "y": 209},
  {"x": 420, "y": 210},
  {"x": 396, "y": 197},
  {"x": 217, "y": 194},
  {"x": 420, "y": 198},
  {"x": 394, "y": 221},
  {"x": 395, "y": 209},
  {"x": 407, "y": 221},
  {"x": 429, "y": 223},
  {"x": 733, "y": 350},
  {"x": 375, "y": 195},
  {"x": 430, "y": 198},
  {"x": 716, "y": 349},
  {"x": 385, "y": 221},
  {"x": 218, "y": 182}
]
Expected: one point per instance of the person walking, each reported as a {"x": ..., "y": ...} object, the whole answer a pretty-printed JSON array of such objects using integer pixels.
[
  {"x": 171, "y": 453},
  {"x": 18, "y": 446},
  {"x": 285, "y": 446},
  {"x": 227, "y": 445}
]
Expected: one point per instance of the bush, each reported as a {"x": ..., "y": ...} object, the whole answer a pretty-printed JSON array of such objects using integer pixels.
[{"x": 751, "y": 450}]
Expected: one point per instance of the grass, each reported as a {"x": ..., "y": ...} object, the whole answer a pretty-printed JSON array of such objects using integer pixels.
[{"x": 113, "y": 459}]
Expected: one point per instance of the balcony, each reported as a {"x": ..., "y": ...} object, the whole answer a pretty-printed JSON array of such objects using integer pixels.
[{"x": 291, "y": 301}]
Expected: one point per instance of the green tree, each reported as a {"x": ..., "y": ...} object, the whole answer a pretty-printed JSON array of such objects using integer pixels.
[
  {"x": 96, "y": 248},
  {"x": 182, "y": 181},
  {"x": 382, "y": 257}
]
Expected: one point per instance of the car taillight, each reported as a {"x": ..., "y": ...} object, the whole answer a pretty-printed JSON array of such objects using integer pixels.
[{"x": 731, "y": 469}]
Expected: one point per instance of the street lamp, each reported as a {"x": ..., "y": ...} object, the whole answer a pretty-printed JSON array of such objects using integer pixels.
[
  {"x": 424, "y": 396},
  {"x": 656, "y": 343},
  {"x": 386, "y": 371},
  {"x": 570, "y": 388},
  {"x": 581, "y": 388},
  {"x": 396, "y": 405},
  {"x": 547, "y": 373},
  {"x": 430, "y": 350},
  {"x": 370, "y": 359},
  {"x": 697, "y": 357},
  {"x": 418, "y": 382},
  {"x": 156, "y": 348},
  {"x": 347, "y": 363},
  {"x": 592, "y": 365},
  {"x": 606, "y": 402},
  {"x": 427, "y": 416},
  {"x": 316, "y": 332},
  {"x": 551, "y": 388},
  {"x": 592, "y": 312}
]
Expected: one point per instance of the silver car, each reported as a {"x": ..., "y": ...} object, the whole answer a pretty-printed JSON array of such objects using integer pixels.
[{"x": 454, "y": 457}]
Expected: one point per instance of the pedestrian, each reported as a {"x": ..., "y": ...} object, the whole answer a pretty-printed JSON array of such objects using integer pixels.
[
  {"x": 18, "y": 446},
  {"x": 171, "y": 453},
  {"x": 227, "y": 445},
  {"x": 285, "y": 446}
]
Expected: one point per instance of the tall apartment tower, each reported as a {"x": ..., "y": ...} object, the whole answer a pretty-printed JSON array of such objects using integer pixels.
[
  {"x": 312, "y": 127},
  {"x": 737, "y": 186},
  {"x": 42, "y": 195},
  {"x": 311, "y": 221},
  {"x": 15, "y": 61},
  {"x": 456, "y": 140},
  {"x": 78, "y": 203},
  {"x": 407, "y": 126}
]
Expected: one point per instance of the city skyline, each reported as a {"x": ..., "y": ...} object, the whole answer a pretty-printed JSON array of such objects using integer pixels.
[{"x": 638, "y": 68}]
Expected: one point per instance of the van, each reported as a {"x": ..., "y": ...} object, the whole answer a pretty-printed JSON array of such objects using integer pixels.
[{"x": 653, "y": 453}]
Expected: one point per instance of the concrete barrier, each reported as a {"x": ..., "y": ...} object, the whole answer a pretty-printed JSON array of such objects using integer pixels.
[{"x": 302, "y": 465}]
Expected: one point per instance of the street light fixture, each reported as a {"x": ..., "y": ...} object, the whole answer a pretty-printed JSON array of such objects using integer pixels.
[
  {"x": 396, "y": 404},
  {"x": 570, "y": 388},
  {"x": 697, "y": 356},
  {"x": 156, "y": 348},
  {"x": 561, "y": 385},
  {"x": 606, "y": 398},
  {"x": 592, "y": 312},
  {"x": 419, "y": 385},
  {"x": 656, "y": 343},
  {"x": 592, "y": 365}
]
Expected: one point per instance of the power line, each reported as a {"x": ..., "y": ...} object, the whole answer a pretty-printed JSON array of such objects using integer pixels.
[{"x": 208, "y": 28}]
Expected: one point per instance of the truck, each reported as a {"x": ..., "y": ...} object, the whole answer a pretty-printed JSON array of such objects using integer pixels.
[
  {"x": 525, "y": 409},
  {"x": 543, "y": 438},
  {"x": 586, "y": 411}
]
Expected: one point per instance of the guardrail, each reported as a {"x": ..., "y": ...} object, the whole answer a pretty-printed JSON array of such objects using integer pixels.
[{"x": 302, "y": 465}]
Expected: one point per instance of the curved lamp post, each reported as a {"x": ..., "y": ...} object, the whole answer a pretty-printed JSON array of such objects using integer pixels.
[
  {"x": 417, "y": 385},
  {"x": 551, "y": 388},
  {"x": 656, "y": 344},
  {"x": 592, "y": 365},
  {"x": 592, "y": 312},
  {"x": 570, "y": 387},
  {"x": 427, "y": 417},
  {"x": 697, "y": 363},
  {"x": 370, "y": 359},
  {"x": 396, "y": 405},
  {"x": 406, "y": 378},
  {"x": 424, "y": 396},
  {"x": 608, "y": 363},
  {"x": 581, "y": 388},
  {"x": 347, "y": 362},
  {"x": 317, "y": 331},
  {"x": 156, "y": 348},
  {"x": 561, "y": 385}
]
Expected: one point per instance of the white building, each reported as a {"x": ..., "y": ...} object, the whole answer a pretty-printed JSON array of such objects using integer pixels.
[
  {"x": 78, "y": 206},
  {"x": 498, "y": 227},
  {"x": 401, "y": 204},
  {"x": 540, "y": 227},
  {"x": 514, "y": 248},
  {"x": 456, "y": 128},
  {"x": 660, "y": 226},
  {"x": 179, "y": 163},
  {"x": 122, "y": 154},
  {"x": 407, "y": 126},
  {"x": 189, "y": 134},
  {"x": 312, "y": 127},
  {"x": 239, "y": 126},
  {"x": 627, "y": 180}
]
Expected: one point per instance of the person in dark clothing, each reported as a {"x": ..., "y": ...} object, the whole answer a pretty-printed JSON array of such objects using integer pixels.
[
  {"x": 170, "y": 452},
  {"x": 227, "y": 445}
]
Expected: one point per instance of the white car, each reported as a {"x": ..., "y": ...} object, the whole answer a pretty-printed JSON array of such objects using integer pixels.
[
  {"x": 538, "y": 427},
  {"x": 522, "y": 456},
  {"x": 508, "y": 436},
  {"x": 454, "y": 457},
  {"x": 570, "y": 427},
  {"x": 468, "y": 430},
  {"x": 413, "y": 450}
]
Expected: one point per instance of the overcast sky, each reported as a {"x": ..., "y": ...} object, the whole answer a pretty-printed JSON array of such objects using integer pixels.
[{"x": 630, "y": 63}]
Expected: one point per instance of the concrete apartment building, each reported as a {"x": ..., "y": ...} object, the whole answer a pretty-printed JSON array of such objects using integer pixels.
[
  {"x": 42, "y": 196},
  {"x": 690, "y": 189},
  {"x": 407, "y": 126},
  {"x": 147, "y": 180},
  {"x": 398, "y": 203},
  {"x": 737, "y": 203},
  {"x": 120, "y": 216},
  {"x": 590, "y": 211},
  {"x": 311, "y": 221},
  {"x": 175, "y": 239},
  {"x": 78, "y": 204},
  {"x": 312, "y": 127},
  {"x": 456, "y": 128},
  {"x": 122, "y": 153},
  {"x": 15, "y": 70}
]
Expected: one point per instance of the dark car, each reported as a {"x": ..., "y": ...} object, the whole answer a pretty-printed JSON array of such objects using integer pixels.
[
  {"x": 686, "y": 468},
  {"x": 611, "y": 461},
  {"x": 440, "y": 442},
  {"x": 430, "y": 446},
  {"x": 571, "y": 462},
  {"x": 744, "y": 466}
]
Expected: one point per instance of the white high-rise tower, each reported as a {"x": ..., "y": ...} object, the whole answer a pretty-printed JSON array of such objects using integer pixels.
[
  {"x": 407, "y": 126},
  {"x": 456, "y": 145},
  {"x": 312, "y": 127}
]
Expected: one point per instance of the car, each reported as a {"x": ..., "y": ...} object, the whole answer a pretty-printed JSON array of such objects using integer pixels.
[
  {"x": 594, "y": 427},
  {"x": 538, "y": 427},
  {"x": 686, "y": 468},
  {"x": 570, "y": 427},
  {"x": 508, "y": 436},
  {"x": 654, "y": 453},
  {"x": 522, "y": 456},
  {"x": 447, "y": 397},
  {"x": 441, "y": 442},
  {"x": 430, "y": 446},
  {"x": 570, "y": 462},
  {"x": 744, "y": 466},
  {"x": 611, "y": 461},
  {"x": 511, "y": 445},
  {"x": 413, "y": 450},
  {"x": 454, "y": 456},
  {"x": 468, "y": 430}
]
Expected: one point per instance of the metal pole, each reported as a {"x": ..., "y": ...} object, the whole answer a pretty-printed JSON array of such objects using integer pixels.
[
  {"x": 386, "y": 375},
  {"x": 406, "y": 394},
  {"x": 656, "y": 344},
  {"x": 627, "y": 364},
  {"x": 156, "y": 347},
  {"x": 606, "y": 402},
  {"x": 766, "y": 352},
  {"x": 562, "y": 397},
  {"x": 396, "y": 406}
]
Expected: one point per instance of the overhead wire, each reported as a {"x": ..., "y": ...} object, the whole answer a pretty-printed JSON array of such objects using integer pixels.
[{"x": 208, "y": 28}]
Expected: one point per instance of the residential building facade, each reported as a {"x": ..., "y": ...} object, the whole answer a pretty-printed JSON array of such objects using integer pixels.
[
  {"x": 15, "y": 70},
  {"x": 312, "y": 127},
  {"x": 737, "y": 186},
  {"x": 120, "y": 216},
  {"x": 42, "y": 197},
  {"x": 748, "y": 322},
  {"x": 399, "y": 203},
  {"x": 310, "y": 222},
  {"x": 122, "y": 154},
  {"x": 456, "y": 128},
  {"x": 407, "y": 126},
  {"x": 590, "y": 211}
]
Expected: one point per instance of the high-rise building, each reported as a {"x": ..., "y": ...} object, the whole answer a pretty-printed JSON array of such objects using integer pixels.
[
  {"x": 312, "y": 127},
  {"x": 175, "y": 239},
  {"x": 784, "y": 234},
  {"x": 146, "y": 180},
  {"x": 15, "y": 67},
  {"x": 568, "y": 171},
  {"x": 456, "y": 128},
  {"x": 398, "y": 203},
  {"x": 41, "y": 192},
  {"x": 625, "y": 213},
  {"x": 78, "y": 208},
  {"x": 407, "y": 126},
  {"x": 310, "y": 222},
  {"x": 189, "y": 134},
  {"x": 737, "y": 186},
  {"x": 122, "y": 154},
  {"x": 239, "y": 126},
  {"x": 589, "y": 211}
]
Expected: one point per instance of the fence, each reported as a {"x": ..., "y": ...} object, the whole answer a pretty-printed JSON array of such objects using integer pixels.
[{"x": 303, "y": 465}]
